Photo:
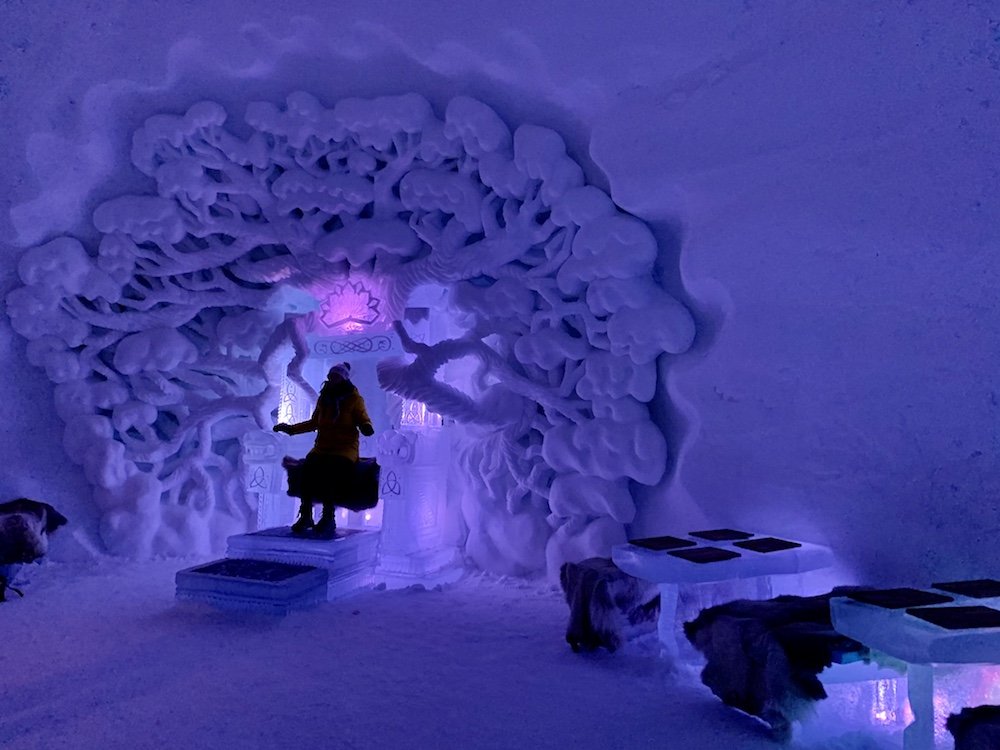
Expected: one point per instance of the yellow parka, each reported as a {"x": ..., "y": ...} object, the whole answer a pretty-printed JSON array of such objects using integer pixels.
[{"x": 336, "y": 430}]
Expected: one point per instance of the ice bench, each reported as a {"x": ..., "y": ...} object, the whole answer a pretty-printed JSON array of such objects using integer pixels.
[{"x": 711, "y": 556}]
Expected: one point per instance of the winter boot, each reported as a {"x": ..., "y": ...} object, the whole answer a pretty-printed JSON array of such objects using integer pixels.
[
  {"x": 327, "y": 526},
  {"x": 305, "y": 520}
]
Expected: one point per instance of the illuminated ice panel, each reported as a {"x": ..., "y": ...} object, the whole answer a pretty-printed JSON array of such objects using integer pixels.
[
  {"x": 865, "y": 703},
  {"x": 878, "y": 713},
  {"x": 362, "y": 519},
  {"x": 414, "y": 414}
]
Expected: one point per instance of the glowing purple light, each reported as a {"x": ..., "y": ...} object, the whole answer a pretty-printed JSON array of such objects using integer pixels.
[{"x": 349, "y": 305}]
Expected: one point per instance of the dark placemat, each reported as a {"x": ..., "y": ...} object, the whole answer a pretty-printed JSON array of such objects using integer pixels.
[
  {"x": 705, "y": 554},
  {"x": 958, "y": 618},
  {"x": 721, "y": 535},
  {"x": 898, "y": 598},
  {"x": 767, "y": 544},
  {"x": 285, "y": 532},
  {"x": 981, "y": 588},
  {"x": 662, "y": 542},
  {"x": 257, "y": 570}
]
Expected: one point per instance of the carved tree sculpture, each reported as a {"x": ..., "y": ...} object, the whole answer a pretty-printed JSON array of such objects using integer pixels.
[{"x": 164, "y": 340}]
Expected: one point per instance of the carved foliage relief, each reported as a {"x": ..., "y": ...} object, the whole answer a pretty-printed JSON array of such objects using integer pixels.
[{"x": 164, "y": 341}]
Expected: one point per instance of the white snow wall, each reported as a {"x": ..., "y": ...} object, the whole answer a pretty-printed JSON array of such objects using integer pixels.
[{"x": 827, "y": 173}]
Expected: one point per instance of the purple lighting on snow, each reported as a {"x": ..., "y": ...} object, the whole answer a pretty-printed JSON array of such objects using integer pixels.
[{"x": 349, "y": 305}]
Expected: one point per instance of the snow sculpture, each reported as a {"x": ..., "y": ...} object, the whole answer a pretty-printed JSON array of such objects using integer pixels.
[{"x": 166, "y": 341}]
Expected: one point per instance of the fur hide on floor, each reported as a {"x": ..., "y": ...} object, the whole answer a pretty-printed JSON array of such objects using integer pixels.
[
  {"x": 976, "y": 728},
  {"x": 764, "y": 657},
  {"x": 25, "y": 526},
  {"x": 605, "y": 603}
]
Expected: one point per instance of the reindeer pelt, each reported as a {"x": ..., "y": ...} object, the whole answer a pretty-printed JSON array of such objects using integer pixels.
[
  {"x": 606, "y": 605},
  {"x": 25, "y": 526},
  {"x": 764, "y": 657},
  {"x": 976, "y": 728}
]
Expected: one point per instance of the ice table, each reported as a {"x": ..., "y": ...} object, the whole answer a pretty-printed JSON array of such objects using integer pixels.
[
  {"x": 708, "y": 556},
  {"x": 948, "y": 624}
]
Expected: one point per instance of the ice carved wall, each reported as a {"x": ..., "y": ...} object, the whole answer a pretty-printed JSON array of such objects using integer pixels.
[{"x": 165, "y": 340}]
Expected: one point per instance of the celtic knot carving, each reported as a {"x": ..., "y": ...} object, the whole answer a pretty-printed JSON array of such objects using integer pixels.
[
  {"x": 259, "y": 478},
  {"x": 391, "y": 485},
  {"x": 354, "y": 345}
]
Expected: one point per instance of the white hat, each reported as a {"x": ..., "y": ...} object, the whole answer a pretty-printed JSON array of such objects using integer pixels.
[{"x": 343, "y": 369}]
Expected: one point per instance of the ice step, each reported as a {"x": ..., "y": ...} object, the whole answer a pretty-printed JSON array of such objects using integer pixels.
[
  {"x": 253, "y": 585},
  {"x": 349, "y": 559}
]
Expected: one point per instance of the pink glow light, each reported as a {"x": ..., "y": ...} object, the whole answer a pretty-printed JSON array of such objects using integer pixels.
[{"x": 350, "y": 305}]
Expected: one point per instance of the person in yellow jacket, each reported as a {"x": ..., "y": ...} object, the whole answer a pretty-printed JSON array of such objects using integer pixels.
[{"x": 328, "y": 468}]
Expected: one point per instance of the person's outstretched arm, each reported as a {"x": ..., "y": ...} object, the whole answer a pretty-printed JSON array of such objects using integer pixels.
[
  {"x": 297, "y": 428},
  {"x": 361, "y": 419}
]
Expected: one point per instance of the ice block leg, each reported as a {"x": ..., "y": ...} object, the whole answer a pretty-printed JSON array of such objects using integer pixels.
[
  {"x": 919, "y": 735},
  {"x": 667, "y": 624}
]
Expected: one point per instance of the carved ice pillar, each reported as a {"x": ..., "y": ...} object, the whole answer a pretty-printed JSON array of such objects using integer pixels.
[
  {"x": 414, "y": 488},
  {"x": 264, "y": 479}
]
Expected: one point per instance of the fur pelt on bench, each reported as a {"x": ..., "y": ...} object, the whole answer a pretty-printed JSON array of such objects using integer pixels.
[
  {"x": 764, "y": 657},
  {"x": 25, "y": 526},
  {"x": 604, "y": 601},
  {"x": 976, "y": 728}
]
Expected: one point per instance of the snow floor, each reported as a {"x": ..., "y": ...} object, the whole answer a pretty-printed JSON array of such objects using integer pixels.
[{"x": 102, "y": 656}]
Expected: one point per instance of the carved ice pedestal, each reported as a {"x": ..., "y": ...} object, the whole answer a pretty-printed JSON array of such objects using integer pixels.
[
  {"x": 264, "y": 479},
  {"x": 864, "y": 700},
  {"x": 414, "y": 495}
]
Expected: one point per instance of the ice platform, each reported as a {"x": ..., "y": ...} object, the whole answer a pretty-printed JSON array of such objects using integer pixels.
[
  {"x": 253, "y": 585},
  {"x": 349, "y": 559}
]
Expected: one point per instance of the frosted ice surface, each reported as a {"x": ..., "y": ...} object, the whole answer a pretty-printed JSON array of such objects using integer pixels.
[
  {"x": 663, "y": 567},
  {"x": 910, "y": 639}
]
